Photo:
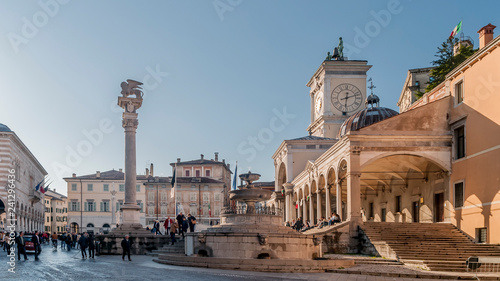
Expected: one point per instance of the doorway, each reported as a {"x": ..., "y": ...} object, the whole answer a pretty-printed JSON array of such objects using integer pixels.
[
  {"x": 439, "y": 207},
  {"x": 415, "y": 211}
]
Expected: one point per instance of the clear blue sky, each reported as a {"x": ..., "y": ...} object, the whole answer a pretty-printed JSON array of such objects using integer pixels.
[{"x": 224, "y": 66}]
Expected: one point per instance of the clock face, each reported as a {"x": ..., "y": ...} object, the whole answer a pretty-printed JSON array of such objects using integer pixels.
[
  {"x": 346, "y": 97},
  {"x": 319, "y": 103}
]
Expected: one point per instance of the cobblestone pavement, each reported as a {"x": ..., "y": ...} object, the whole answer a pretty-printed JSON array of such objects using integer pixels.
[{"x": 64, "y": 265}]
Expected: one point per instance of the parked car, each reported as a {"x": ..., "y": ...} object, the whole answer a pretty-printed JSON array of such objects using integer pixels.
[{"x": 28, "y": 241}]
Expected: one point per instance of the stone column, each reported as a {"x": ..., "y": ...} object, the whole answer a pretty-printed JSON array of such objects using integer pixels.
[
  {"x": 318, "y": 204},
  {"x": 338, "y": 199},
  {"x": 354, "y": 186},
  {"x": 299, "y": 210},
  {"x": 327, "y": 202},
  {"x": 130, "y": 209},
  {"x": 288, "y": 200},
  {"x": 311, "y": 210},
  {"x": 287, "y": 207},
  {"x": 304, "y": 210},
  {"x": 353, "y": 196}
]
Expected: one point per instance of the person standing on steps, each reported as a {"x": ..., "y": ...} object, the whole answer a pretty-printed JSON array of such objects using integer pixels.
[
  {"x": 180, "y": 217},
  {"x": 192, "y": 222},
  {"x": 173, "y": 229},
  {"x": 167, "y": 224},
  {"x": 126, "y": 247}
]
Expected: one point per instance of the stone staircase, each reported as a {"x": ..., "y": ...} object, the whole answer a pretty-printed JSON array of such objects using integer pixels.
[
  {"x": 176, "y": 249},
  {"x": 435, "y": 246}
]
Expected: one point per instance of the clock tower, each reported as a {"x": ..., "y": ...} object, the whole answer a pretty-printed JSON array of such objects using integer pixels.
[{"x": 338, "y": 90}]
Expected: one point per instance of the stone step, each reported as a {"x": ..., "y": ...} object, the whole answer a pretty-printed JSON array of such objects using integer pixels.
[{"x": 437, "y": 246}]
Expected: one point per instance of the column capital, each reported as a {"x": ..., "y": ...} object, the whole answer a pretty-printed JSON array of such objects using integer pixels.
[
  {"x": 288, "y": 187},
  {"x": 354, "y": 174}
]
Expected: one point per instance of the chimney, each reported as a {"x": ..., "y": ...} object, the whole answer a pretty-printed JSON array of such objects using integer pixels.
[
  {"x": 223, "y": 161},
  {"x": 120, "y": 170},
  {"x": 178, "y": 160},
  {"x": 485, "y": 35},
  {"x": 201, "y": 156},
  {"x": 74, "y": 175},
  {"x": 217, "y": 156},
  {"x": 98, "y": 174},
  {"x": 147, "y": 172},
  {"x": 151, "y": 170}
]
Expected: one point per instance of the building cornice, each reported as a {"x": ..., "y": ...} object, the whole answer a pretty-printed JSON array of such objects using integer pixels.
[{"x": 477, "y": 56}]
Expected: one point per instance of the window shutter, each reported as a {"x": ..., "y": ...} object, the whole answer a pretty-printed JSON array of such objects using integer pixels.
[
  {"x": 78, "y": 207},
  {"x": 86, "y": 206},
  {"x": 117, "y": 206},
  {"x": 102, "y": 207}
]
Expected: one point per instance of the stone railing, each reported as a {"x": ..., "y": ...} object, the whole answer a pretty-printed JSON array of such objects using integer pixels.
[{"x": 245, "y": 210}]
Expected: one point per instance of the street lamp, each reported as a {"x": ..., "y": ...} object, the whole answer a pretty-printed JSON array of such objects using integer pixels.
[{"x": 113, "y": 193}]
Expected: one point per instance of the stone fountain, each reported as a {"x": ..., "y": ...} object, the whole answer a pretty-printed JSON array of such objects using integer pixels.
[{"x": 251, "y": 231}]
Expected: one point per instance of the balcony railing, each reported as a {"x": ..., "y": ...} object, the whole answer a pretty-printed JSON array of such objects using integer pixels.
[{"x": 245, "y": 210}]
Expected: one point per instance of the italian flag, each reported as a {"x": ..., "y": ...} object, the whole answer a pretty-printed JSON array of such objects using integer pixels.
[{"x": 456, "y": 30}]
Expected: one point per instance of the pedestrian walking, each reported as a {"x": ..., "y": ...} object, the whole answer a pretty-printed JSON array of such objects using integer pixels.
[
  {"x": 6, "y": 244},
  {"x": 36, "y": 244},
  {"x": 69, "y": 241},
  {"x": 91, "y": 246},
  {"x": 126, "y": 247},
  {"x": 173, "y": 230},
  {"x": 74, "y": 239},
  {"x": 192, "y": 222},
  {"x": 63, "y": 241},
  {"x": 21, "y": 246},
  {"x": 83, "y": 243},
  {"x": 185, "y": 226},
  {"x": 54, "y": 240}
]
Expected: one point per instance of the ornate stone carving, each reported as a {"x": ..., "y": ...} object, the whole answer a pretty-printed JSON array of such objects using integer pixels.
[
  {"x": 263, "y": 239},
  {"x": 356, "y": 150},
  {"x": 131, "y": 87},
  {"x": 130, "y": 123},
  {"x": 202, "y": 238}
]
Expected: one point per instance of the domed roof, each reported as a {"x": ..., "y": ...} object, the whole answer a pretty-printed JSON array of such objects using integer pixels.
[
  {"x": 4, "y": 128},
  {"x": 365, "y": 118}
]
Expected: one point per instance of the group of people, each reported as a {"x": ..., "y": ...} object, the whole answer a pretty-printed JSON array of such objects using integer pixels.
[
  {"x": 301, "y": 226},
  {"x": 19, "y": 240},
  {"x": 85, "y": 241},
  {"x": 68, "y": 240}
]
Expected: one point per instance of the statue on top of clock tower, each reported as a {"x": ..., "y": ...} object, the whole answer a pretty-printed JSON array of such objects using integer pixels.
[{"x": 337, "y": 91}]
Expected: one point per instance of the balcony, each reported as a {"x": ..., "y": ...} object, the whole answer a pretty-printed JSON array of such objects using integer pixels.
[{"x": 35, "y": 196}]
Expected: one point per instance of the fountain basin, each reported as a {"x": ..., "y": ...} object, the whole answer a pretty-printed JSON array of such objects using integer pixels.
[{"x": 250, "y": 195}]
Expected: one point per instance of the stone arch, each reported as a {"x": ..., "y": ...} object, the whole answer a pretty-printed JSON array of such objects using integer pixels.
[
  {"x": 341, "y": 178},
  {"x": 331, "y": 180},
  {"x": 428, "y": 157},
  {"x": 281, "y": 176},
  {"x": 75, "y": 227},
  {"x": 314, "y": 202},
  {"x": 204, "y": 251},
  {"x": 2, "y": 206}
]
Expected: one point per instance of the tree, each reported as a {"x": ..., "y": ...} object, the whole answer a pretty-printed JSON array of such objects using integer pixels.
[{"x": 446, "y": 61}]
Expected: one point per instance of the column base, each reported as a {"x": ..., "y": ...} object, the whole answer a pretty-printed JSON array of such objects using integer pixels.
[{"x": 130, "y": 215}]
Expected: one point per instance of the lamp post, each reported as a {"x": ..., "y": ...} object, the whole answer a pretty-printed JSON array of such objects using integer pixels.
[{"x": 113, "y": 193}]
